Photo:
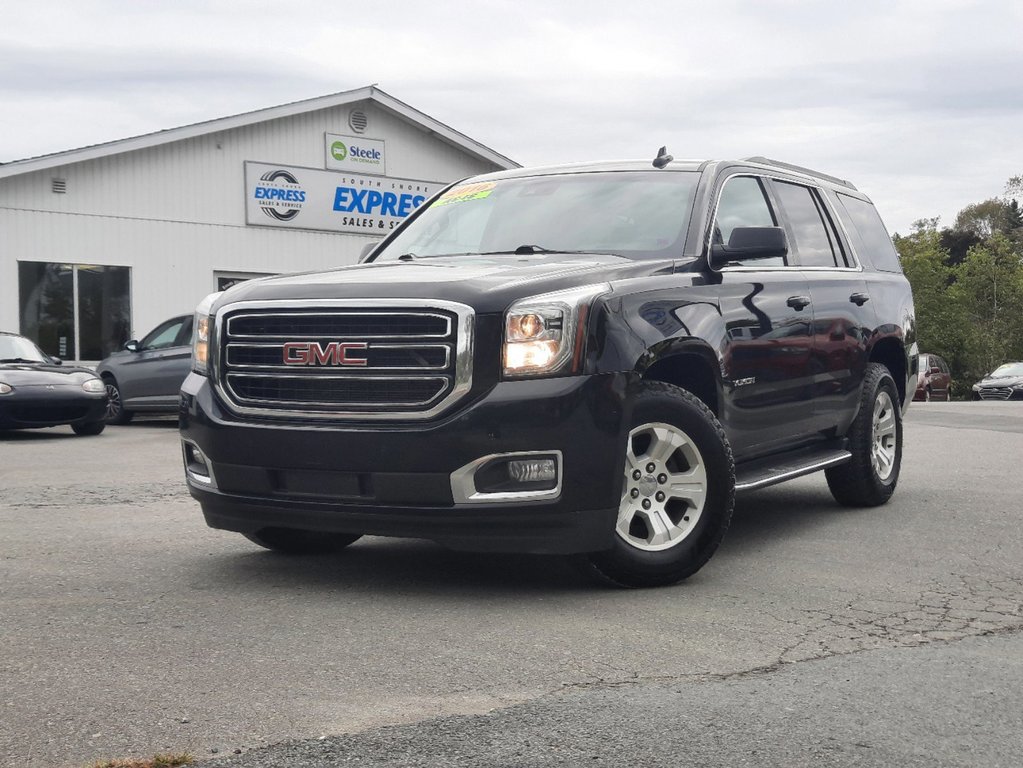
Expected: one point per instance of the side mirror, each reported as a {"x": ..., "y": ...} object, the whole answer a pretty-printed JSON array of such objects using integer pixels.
[
  {"x": 56, "y": 360},
  {"x": 132, "y": 346},
  {"x": 367, "y": 249},
  {"x": 750, "y": 243}
]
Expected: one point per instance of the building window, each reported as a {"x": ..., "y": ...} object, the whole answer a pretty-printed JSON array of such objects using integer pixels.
[
  {"x": 75, "y": 311},
  {"x": 226, "y": 279}
]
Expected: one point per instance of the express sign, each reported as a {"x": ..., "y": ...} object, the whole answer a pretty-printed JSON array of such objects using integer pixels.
[{"x": 307, "y": 198}]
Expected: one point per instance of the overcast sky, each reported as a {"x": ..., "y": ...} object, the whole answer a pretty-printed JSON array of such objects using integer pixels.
[{"x": 920, "y": 104}]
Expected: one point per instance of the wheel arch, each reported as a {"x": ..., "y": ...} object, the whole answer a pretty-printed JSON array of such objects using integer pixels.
[
  {"x": 891, "y": 354},
  {"x": 691, "y": 365}
]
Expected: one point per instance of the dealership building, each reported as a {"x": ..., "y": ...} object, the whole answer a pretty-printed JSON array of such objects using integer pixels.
[{"x": 100, "y": 244}]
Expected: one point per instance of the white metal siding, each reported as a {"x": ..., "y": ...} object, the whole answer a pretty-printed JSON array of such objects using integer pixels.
[{"x": 175, "y": 213}]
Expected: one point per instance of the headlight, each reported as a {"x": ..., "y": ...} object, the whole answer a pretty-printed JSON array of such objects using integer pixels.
[
  {"x": 5, "y": 389},
  {"x": 94, "y": 385},
  {"x": 202, "y": 326},
  {"x": 543, "y": 334}
]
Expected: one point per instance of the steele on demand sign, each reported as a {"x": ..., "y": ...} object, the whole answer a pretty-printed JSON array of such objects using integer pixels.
[
  {"x": 355, "y": 154},
  {"x": 329, "y": 201}
]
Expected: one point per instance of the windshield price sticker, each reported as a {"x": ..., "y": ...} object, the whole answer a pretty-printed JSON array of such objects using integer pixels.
[{"x": 466, "y": 192}]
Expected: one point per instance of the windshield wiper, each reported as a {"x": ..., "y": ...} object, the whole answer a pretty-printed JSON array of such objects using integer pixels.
[
  {"x": 525, "y": 250},
  {"x": 408, "y": 256},
  {"x": 19, "y": 360}
]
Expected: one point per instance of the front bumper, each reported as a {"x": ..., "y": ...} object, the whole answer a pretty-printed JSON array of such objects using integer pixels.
[
  {"x": 33, "y": 407},
  {"x": 396, "y": 479},
  {"x": 991, "y": 393}
]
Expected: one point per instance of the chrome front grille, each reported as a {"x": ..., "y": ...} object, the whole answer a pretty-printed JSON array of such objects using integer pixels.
[
  {"x": 397, "y": 359},
  {"x": 995, "y": 393}
]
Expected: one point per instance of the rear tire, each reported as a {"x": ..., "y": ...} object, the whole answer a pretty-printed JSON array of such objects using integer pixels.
[
  {"x": 875, "y": 440},
  {"x": 291, "y": 541},
  {"x": 678, "y": 490}
]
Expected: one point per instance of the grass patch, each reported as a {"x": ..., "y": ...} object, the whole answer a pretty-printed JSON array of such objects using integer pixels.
[{"x": 156, "y": 761}]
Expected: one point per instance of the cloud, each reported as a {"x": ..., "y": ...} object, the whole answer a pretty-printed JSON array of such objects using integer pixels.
[{"x": 916, "y": 102}]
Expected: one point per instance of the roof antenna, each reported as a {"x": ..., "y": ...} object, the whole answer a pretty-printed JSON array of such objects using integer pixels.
[{"x": 663, "y": 158}]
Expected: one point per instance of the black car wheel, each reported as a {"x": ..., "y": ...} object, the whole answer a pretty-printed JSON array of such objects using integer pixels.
[
  {"x": 115, "y": 408},
  {"x": 875, "y": 440},
  {"x": 89, "y": 428},
  {"x": 291, "y": 541},
  {"x": 678, "y": 490}
]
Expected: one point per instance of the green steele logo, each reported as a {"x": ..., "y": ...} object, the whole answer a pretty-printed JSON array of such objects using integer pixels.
[{"x": 338, "y": 150}]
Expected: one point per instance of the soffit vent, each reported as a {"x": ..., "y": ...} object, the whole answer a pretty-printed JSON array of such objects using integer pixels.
[
  {"x": 358, "y": 121},
  {"x": 59, "y": 186}
]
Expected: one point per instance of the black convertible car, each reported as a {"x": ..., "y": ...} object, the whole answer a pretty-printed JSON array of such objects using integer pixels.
[{"x": 37, "y": 391}]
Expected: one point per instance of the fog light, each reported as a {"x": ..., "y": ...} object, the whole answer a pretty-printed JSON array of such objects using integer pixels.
[
  {"x": 522, "y": 476},
  {"x": 533, "y": 470},
  {"x": 196, "y": 465},
  {"x": 517, "y": 474}
]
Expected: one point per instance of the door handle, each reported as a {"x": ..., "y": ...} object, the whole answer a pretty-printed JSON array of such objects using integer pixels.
[
  {"x": 798, "y": 302},
  {"x": 859, "y": 299}
]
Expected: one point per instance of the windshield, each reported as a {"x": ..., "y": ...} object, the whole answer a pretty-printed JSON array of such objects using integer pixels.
[
  {"x": 1009, "y": 369},
  {"x": 14, "y": 348},
  {"x": 635, "y": 213}
]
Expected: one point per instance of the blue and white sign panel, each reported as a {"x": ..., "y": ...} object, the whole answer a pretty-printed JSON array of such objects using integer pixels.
[
  {"x": 329, "y": 201},
  {"x": 355, "y": 154}
]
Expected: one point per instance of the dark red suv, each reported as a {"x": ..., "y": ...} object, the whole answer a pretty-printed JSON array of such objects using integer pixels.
[{"x": 935, "y": 382}]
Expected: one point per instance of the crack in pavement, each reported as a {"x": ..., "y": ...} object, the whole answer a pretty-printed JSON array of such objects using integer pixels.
[{"x": 975, "y": 605}]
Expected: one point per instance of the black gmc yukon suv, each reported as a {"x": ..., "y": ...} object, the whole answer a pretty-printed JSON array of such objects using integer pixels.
[{"x": 587, "y": 360}]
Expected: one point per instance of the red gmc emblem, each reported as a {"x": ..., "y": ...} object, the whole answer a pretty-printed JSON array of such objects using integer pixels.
[{"x": 331, "y": 353}]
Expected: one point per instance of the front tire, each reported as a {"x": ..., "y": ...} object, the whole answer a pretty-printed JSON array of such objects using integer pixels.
[
  {"x": 115, "y": 406},
  {"x": 678, "y": 490},
  {"x": 875, "y": 441},
  {"x": 89, "y": 428},
  {"x": 291, "y": 541}
]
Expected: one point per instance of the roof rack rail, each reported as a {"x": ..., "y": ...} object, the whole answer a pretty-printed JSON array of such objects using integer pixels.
[{"x": 799, "y": 169}]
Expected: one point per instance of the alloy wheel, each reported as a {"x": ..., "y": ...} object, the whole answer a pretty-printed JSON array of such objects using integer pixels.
[
  {"x": 664, "y": 489},
  {"x": 114, "y": 406},
  {"x": 884, "y": 437}
]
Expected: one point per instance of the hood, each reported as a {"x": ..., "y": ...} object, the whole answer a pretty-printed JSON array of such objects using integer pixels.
[
  {"x": 41, "y": 375},
  {"x": 486, "y": 283},
  {"x": 1000, "y": 381}
]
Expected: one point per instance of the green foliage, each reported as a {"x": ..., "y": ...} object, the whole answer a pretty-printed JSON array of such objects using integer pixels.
[
  {"x": 984, "y": 219},
  {"x": 940, "y": 319},
  {"x": 968, "y": 285},
  {"x": 989, "y": 287}
]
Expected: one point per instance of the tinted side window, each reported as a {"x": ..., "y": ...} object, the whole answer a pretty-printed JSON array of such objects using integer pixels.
[
  {"x": 815, "y": 243},
  {"x": 185, "y": 334},
  {"x": 163, "y": 335},
  {"x": 743, "y": 204},
  {"x": 868, "y": 233}
]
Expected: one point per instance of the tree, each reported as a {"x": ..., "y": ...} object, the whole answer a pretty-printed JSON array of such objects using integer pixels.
[
  {"x": 984, "y": 219},
  {"x": 941, "y": 323},
  {"x": 988, "y": 288}
]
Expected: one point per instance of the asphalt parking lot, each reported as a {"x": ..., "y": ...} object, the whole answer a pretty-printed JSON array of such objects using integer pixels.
[{"x": 816, "y": 636}]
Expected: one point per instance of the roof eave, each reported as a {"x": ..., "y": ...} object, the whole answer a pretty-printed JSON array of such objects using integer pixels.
[{"x": 219, "y": 125}]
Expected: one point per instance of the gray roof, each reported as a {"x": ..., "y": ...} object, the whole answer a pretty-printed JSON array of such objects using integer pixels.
[{"x": 369, "y": 93}]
